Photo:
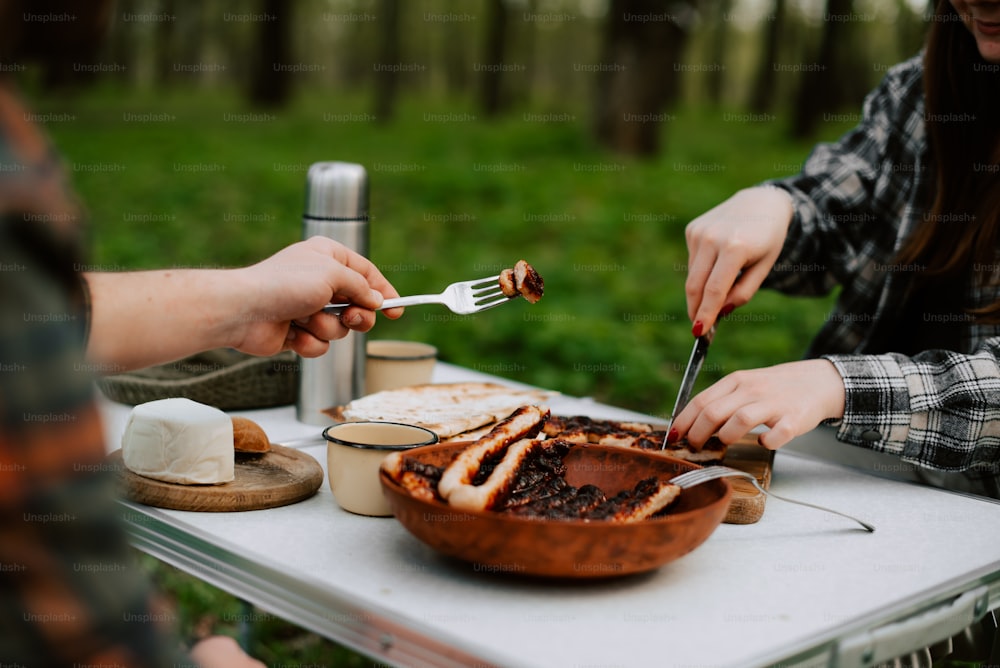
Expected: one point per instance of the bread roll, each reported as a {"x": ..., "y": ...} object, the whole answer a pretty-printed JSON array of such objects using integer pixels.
[{"x": 248, "y": 436}]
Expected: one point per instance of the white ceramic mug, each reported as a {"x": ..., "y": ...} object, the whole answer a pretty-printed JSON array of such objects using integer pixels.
[
  {"x": 354, "y": 452},
  {"x": 392, "y": 364}
]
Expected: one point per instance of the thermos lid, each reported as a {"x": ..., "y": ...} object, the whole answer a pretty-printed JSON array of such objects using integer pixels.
[{"x": 337, "y": 191}]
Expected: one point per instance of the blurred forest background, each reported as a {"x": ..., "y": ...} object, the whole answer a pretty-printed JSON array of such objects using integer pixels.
[
  {"x": 581, "y": 135},
  {"x": 610, "y": 57}
]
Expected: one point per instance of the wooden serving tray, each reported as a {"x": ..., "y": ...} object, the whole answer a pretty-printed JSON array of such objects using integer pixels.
[
  {"x": 748, "y": 455},
  {"x": 278, "y": 478}
]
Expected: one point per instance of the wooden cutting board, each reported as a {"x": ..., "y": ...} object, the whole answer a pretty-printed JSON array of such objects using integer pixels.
[
  {"x": 747, "y": 455},
  {"x": 278, "y": 478}
]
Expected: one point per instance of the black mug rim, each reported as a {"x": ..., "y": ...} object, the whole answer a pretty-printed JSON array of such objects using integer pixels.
[{"x": 434, "y": 438}]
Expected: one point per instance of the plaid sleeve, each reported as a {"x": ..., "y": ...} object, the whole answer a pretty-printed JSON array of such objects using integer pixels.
[
  {"x": 848, "y": 196},
  {"x": 69, "y": 592},
  {"x": 938, "y": 409}
]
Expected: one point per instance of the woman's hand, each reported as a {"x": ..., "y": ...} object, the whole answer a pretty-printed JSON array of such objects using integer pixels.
[
  {"x": 731, "y": 249},
  {"x": 790, "y": 398},
  {"x": 287, "y": 292}
]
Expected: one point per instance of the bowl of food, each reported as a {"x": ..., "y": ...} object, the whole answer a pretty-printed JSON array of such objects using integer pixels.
[{"x": 580, "y": 511}]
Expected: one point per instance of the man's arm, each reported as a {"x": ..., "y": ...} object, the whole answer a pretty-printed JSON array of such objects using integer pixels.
[{"x": 143, "y": 318}]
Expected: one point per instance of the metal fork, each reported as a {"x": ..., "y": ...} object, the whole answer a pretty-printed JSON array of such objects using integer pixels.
[
  {"x": 698, "y": 476},
  {"x": 464, "y": 297}
]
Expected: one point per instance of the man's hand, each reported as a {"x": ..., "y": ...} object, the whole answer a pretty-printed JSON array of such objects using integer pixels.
[
  {"x": 151, "y": 317},
  {"x": 222, "y": 652},
  {"x": 287, "y": 291}
]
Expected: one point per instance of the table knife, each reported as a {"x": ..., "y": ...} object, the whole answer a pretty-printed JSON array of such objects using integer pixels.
[{"x": 698, "y": 353}]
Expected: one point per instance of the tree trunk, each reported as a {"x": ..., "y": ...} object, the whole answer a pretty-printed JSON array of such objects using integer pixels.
[
  {"x": 528, "y": 48},
  {"x": 121, "y": 45},
  {"x": 720, "y": 38},
  {"x": 165, "y": 56},
  {"x": 826, "y": 84},
  {"x": 456, "y": 60},
  {"x": 766, "y": 87},
  {"x": 386, "y": 74},
  {"x": 638, "y": 75},
  {"x": 271, "y": 80},
  {"x": 492, "y": 99},
  {"x": 910, "y": 28},
  {"x": 194, "y": 27}
]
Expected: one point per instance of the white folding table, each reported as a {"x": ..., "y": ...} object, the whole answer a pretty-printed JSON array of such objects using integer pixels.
[{"x": 799, "y": 588}]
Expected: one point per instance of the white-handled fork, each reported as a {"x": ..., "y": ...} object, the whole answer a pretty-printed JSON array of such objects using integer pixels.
[
  {"x": 464, "y": 297},
  {"x": 698, "y": 476}
]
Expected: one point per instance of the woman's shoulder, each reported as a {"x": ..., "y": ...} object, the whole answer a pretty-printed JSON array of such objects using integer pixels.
[
  {"x": 898, "y": 100},
  {"x": 905, "y": 78}
]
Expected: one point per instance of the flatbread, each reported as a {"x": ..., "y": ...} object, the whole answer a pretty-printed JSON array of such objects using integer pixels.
[
  {"x": 471, "y": 435},
  {"x": 447, "y": 409}
]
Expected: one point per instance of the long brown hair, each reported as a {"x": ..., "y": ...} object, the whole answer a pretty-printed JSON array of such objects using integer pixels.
[{"x": 957, "y": 239}]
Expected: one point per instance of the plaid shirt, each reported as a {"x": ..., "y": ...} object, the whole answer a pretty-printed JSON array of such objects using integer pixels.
[
  {"x": 69, "y": 592},
  {"x": 856, "y": 201}
]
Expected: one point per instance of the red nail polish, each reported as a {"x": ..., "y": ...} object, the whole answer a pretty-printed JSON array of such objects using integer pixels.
[
  {"x": 726, "y": 310},
  {"x": 672, "y": 435},
  {"x": 698, "y": 327}
]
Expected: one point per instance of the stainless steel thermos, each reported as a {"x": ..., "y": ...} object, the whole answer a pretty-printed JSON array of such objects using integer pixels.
[{"x": 336, "y": 207}]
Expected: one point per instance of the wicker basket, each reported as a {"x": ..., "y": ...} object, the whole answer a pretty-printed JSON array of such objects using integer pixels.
[{"x": 224, "y": 378}]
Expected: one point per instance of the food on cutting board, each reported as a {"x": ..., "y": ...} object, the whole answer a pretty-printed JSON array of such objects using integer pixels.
[
  {"x": 511, "y": 470},
  {"x": 249, "y": 438},
  {"x": 451, "y": 410},
  {"x": 181, "y": 441},
  {"x": 522, "y": 280}
]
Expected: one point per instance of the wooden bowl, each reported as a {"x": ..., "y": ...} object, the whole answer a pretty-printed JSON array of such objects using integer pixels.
[{"x": 501, "y": 543}]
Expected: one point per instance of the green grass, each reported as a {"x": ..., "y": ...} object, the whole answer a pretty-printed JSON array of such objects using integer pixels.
[{"x": 450, "y": 201}]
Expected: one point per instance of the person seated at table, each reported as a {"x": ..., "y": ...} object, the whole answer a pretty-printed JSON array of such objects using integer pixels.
[
  {"x": 903, "y": 214},
  {"x": 69, "y": 594}
]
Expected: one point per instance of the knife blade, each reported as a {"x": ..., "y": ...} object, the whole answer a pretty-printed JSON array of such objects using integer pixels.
[{"x": 698, "y": 353}]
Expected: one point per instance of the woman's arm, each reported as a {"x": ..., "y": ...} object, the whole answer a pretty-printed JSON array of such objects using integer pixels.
[
  {"x": 823, "y": 226},
  {"x": 790, "y": 399},
  {"x": 937, "y": 409},
  {"x": 850, "y": 194},
  {"x": 143, "y": 318},
  {"x": 731, "y": 249}
]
